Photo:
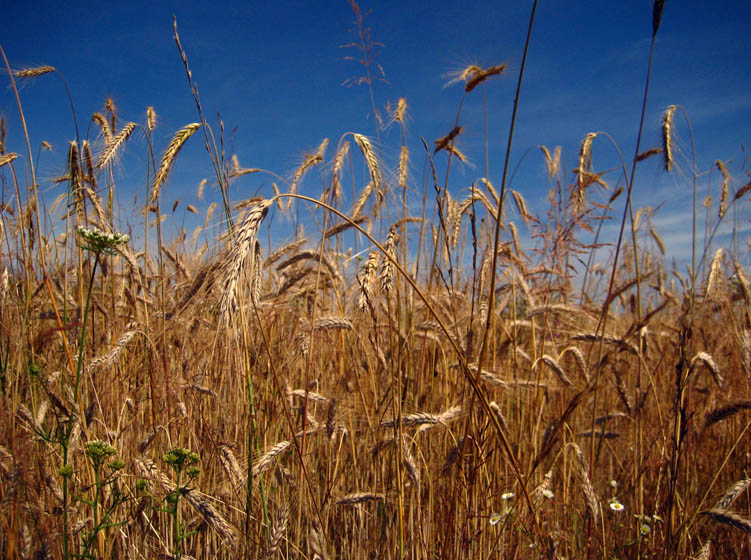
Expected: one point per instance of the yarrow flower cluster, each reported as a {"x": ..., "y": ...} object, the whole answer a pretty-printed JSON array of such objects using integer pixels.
[{"x": 94, "y": 239}]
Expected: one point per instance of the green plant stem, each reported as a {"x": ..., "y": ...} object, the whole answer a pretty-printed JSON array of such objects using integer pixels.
[{"x": 65, "y": 440}]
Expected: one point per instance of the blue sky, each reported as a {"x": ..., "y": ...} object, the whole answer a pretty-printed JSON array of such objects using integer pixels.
[{"x": 274, "y": 70}]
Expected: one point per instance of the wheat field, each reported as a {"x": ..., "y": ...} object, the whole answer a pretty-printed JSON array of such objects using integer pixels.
[{"x": 471, "y": 380}]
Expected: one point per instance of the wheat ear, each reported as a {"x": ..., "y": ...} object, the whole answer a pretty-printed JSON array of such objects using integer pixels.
[{"x": 169, "y": 157}]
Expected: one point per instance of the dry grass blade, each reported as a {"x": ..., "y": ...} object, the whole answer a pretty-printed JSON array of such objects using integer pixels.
[{"x": 169, "y": 157}]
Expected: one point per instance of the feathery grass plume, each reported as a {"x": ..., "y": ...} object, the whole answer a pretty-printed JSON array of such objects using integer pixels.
[
  {"x": 387, "y": 270},
  {"x": 593, "y": 503},
  {"x": 267, "y": 459},
  {"x": 728, "y": 518},
  {"x": 667, "y": 137},
  {"x": 115, "y": 144},
  {"x": 104, "y": 126},
  {"x": 585, "y": 158},
  {"x": 724, "y": 412},
  {"x": 443, "y": 142},
  {"x": 708, "y": 361},
  {"x": 169, "y": 157},
  {"x": 336, "y": 184},
  {"x": 150, "y": 118},
  {"x": 648, "y": 154},
  {"x": 715, "y": 276},
  {"x": 367, "y": 281},
  {"x": 33, "y": 72},
  {"x": 724, "y": 189},
  {"x": 732, "y": 493},
  {"x": 5, "y": 159},
  {"x": 360, "y": 498},
  {"x": 245, "y": 237},
  {"x": 192, "y": 209},
  {"x": 657, "y": 7},
  {"x": 370, "y": 159}
]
